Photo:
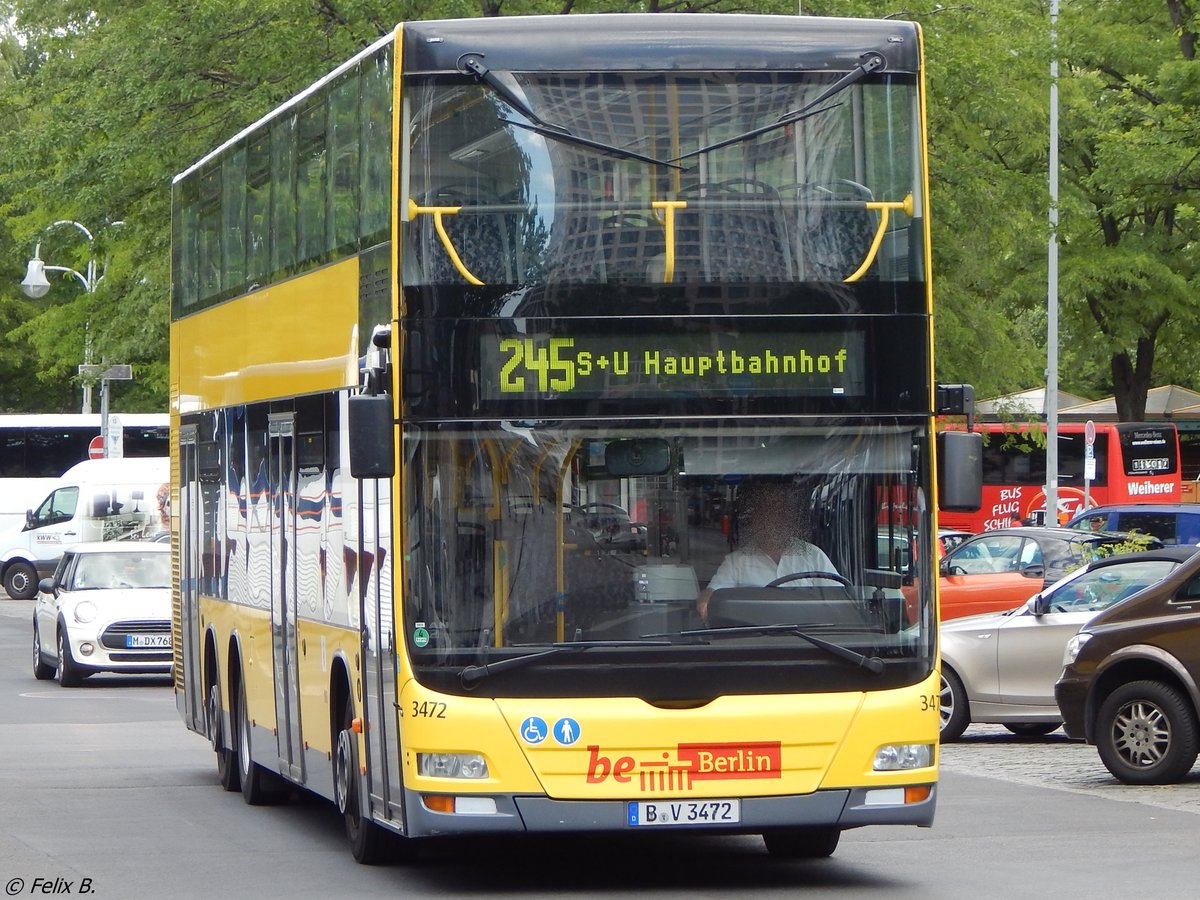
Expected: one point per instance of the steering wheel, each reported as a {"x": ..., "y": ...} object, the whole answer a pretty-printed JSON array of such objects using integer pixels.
[{"x": 796, "y": 576}]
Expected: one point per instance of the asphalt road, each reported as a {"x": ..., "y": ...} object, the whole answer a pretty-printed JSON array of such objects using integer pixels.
[{"x": 104, "y": 793}]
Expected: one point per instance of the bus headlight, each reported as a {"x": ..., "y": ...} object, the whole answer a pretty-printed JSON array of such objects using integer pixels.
[
  {"x": 85, "y": 611},
  {"x": 1074, "y": 645},
  {"x": 452, "y": 765},
  {"x": 896, "y": 757}
]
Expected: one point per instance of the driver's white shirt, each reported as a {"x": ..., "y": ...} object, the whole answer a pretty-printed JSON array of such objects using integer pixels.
[{"x": 751, "y": 567}]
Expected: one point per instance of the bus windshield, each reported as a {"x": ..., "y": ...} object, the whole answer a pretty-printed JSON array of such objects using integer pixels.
[
  {"x": 672, "y": 554},
  {"x": 534, "y": 178}
]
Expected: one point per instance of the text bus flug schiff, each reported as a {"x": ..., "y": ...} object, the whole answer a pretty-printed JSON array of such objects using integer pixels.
[{"x": 474, "y": 343}]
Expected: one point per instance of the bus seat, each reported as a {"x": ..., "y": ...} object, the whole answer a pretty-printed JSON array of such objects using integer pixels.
[
  {"x": 732, "y": 231},
  {"x": 833, "y": 230},
  {"x": 633, "y": 244},
  {"x": 479, "y": 236},
  {"x": 590, "y": 247}
]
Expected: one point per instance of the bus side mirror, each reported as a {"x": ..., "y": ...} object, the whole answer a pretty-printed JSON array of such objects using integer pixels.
[
  {"x": 372, "y": 431},
  {"x": 960, "y": 470}
]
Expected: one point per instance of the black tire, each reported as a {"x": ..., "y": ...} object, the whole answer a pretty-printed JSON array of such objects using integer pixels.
[
  {"x": 42, "y": 670},
  {"x": 368, "y": 841},
  {"x": 227, "y": 764},
  {"x": 21, "y": 581},
  {"x": 954, "y": 708},
  {"x": 1146, "y": 733},
  {"x": 1032, "y": 729},
  {"x": 68, "y": 672},
  {"x": 802, "y": 843},
  {"x": 252, "y": 778}
]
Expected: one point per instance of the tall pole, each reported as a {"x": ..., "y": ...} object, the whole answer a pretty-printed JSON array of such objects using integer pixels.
[
  {"x": 36, "y": 285},
  {"x": 1052, "y": 288}
]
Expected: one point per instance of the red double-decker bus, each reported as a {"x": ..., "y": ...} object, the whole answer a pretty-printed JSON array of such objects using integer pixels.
[{"x": 1135, "y": 462}]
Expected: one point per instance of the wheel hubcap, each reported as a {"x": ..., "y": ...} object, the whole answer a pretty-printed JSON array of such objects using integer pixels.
[
  {"x": 945, "y": 703},
  {"x": 244, "y": 744},
  {"x": 1141, "y": 734},
  {"x": 341, "y": 775},
  {"x": 213, "y": 712}
]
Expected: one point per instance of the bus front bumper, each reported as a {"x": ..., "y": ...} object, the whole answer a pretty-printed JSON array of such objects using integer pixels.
[{"x": 845, "y": 808}]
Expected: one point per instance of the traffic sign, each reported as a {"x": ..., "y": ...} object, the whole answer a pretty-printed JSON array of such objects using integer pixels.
[
  {"x": 96, "y": 448},
  {"x": 1089, "y": 432},
  {"x": 115, "y": 437}
]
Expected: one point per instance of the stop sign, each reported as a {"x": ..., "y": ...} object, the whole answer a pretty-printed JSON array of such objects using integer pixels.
[{"x": 96, "y": 448}]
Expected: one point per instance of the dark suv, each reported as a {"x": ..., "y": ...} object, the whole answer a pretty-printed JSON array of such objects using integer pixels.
[{"x": 1131, "y": 682}]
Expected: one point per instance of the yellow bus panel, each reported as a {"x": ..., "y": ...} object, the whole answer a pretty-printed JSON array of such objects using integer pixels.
[{"x": 224, "y": 356}]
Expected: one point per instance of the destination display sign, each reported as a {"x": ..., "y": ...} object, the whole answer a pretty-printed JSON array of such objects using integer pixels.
[
  {"x": 701, "y": 364},
  {"x": 1148, "y": 450}
]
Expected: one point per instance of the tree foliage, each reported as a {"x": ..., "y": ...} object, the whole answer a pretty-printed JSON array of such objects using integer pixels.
[{"x": 103, "y": 101}]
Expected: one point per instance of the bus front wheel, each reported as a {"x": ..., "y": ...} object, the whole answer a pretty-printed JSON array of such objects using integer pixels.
[
  {"x": 368, "y": 841},
  {"x": 802, "y": 843}
]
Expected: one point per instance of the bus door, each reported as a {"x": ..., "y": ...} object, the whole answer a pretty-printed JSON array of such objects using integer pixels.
[
  {"x": 376, "y": 612},
  {"x": 281, "y": 477},
  {"x": 191, "y": 531}
]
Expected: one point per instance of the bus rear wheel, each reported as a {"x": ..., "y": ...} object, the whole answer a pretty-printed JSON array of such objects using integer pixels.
[
  {"x": 802, "y": 843},
  {"x": 227, "y": 763},
  {"x": 368, "y": 841},
  {"x": 255, "y": 781}
]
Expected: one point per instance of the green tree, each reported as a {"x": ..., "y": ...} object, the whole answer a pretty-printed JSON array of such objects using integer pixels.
[
  {"x": 1131, "y": 91},
  {"x": 102, "y": 102}
]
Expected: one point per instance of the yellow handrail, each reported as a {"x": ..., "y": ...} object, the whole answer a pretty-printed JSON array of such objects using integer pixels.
[
  {"x": 667, "y": 221},
  {"x": 885, "y": 208},
  {"x": 437, "y": 212}
]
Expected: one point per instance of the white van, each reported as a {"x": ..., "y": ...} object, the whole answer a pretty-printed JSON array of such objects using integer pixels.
[{"x": 95, "y": 500}]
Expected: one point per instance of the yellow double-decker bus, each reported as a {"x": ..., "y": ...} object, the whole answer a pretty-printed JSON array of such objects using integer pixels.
[{"x": 483, "y": 348}]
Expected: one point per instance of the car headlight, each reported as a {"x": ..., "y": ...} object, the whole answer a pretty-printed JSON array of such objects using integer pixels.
[
  {"x": 897, "y": 757},
  {"x": 452, "y": 765},
  {"x": 1074, "y": 645},
  {"x": 85, "y": 612}
]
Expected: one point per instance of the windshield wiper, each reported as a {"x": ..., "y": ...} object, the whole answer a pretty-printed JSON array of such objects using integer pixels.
[
  {"x": 472, "y": 64},
  {"x": 872, "y": 664},
  {"x": 871, "y": 63},
  {"x": 474, "y": 674}
]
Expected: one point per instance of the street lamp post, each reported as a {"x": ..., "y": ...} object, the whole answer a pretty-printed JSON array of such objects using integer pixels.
[
  {"x": 36, "y": 285},
  {"x": 1051, "y": 489}
]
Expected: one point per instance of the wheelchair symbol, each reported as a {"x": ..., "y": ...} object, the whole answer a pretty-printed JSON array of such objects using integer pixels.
[{"x": 533, "y": 730}]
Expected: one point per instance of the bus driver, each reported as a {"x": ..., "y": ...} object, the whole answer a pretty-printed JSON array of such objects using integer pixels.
[{"x": 771, "y": 516}]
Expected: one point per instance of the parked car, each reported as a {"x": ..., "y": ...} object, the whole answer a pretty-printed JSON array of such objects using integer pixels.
[
  {"x": 1001, "y": 667},
  {"x": 1171, "y": 523},
  {"x": 106, "y": 608},
  {"x": 1130, "y": 681},
  {"x": 997, "y": 570},
  {"x": 611, "y": 526},
  {"x": 894, "y": 545}
]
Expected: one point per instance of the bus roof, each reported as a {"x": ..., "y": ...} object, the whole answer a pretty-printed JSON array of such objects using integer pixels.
[{"x": 677, "y": 41}]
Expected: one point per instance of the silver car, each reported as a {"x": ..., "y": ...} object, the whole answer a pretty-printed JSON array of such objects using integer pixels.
[
  {"x": 1001, "y": 667},
  {"x": 106, "y": 608}
]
